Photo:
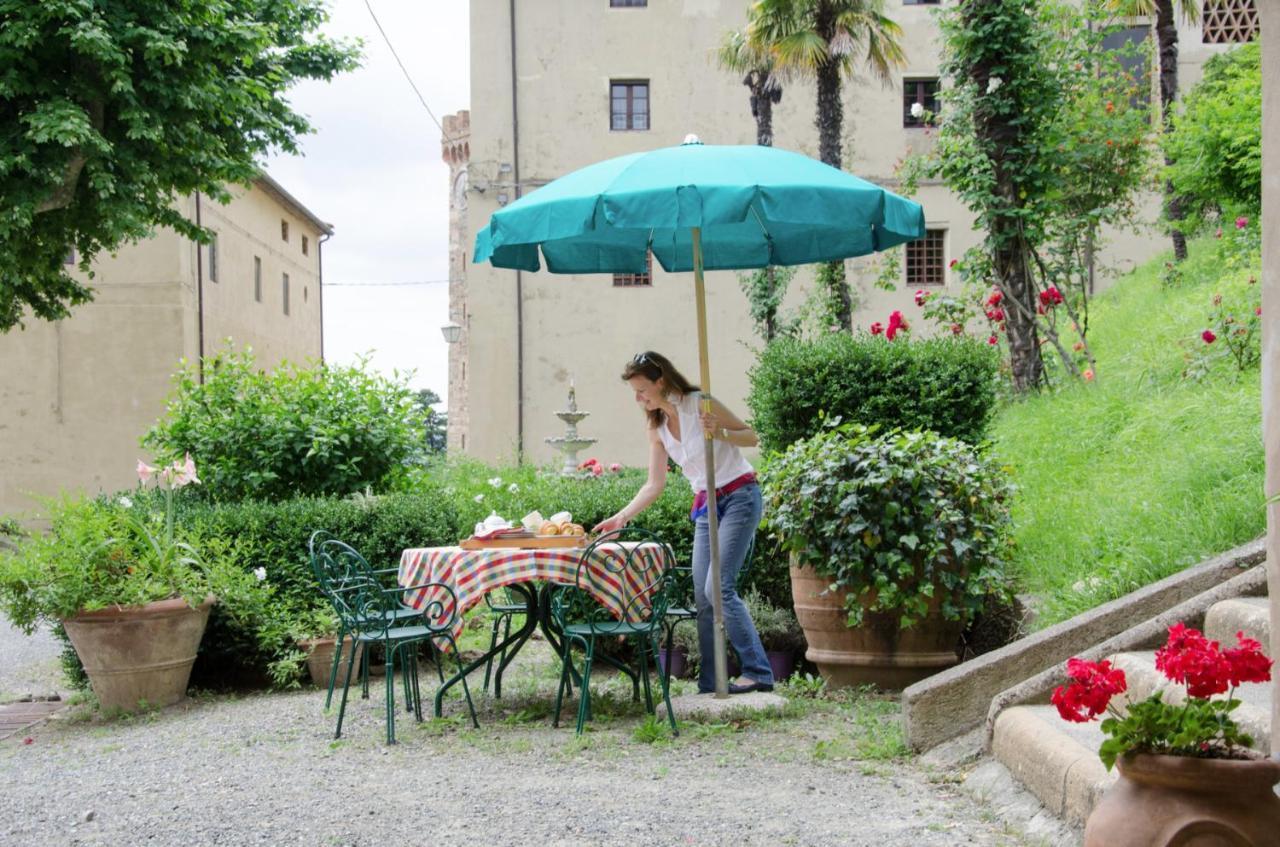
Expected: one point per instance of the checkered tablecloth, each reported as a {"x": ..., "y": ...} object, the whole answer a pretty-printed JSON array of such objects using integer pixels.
[{"x": 473, "y": 573}]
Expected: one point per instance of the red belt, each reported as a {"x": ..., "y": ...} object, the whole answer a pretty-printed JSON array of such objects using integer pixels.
[{"x": 700, "y": 499}]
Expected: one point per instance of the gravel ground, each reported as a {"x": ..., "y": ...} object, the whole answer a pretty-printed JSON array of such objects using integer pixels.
[
  {"x": 264, "y": 769},
  {"x": 28, "y": 665}
]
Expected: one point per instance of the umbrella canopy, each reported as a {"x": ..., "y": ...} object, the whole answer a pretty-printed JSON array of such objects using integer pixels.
[
  {"x": 698, "y": 207},
  {"x": 755, "y": 206}
]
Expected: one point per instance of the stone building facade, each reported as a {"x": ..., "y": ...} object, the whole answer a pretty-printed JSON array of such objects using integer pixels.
[
  {"x": 559, "y": 84},
  {"x": 77, "y": 394}
]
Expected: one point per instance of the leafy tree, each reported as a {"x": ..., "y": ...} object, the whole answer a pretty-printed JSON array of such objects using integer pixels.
[
  {"x": 1165, "y": 26},
  {"x": 114, "y": 108},
  {"x": 434, "y": 423},
  {"x": 827, "y": 41},
  {"x": 1214, "y": 148},
  {"x": 1044, "y": 140},
  {"x": 296, "y": 431}
]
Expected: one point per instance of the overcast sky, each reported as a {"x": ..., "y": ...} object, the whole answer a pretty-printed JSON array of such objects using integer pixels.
[{"x": 373, "y": 169}]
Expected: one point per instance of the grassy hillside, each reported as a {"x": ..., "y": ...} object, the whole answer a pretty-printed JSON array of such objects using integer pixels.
[{"x": 1142, "y": 472}]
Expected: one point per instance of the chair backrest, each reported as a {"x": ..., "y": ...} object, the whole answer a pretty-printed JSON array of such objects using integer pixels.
[
  {"x": 364, "y": 604},
  {"x": 633, "y": 566}
]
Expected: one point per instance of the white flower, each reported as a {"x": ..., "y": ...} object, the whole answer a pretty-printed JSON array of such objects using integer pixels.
[
  {"x": 260, "y": 574},
  {"x": 478, "y": 498},
  {"x": 513, "y": 488},
  {"x": 917, "y": 110},
  {"x": 994, "y": 84},
  {"x": 496, "y": 482},
  {"x": 125, "y": 502}
]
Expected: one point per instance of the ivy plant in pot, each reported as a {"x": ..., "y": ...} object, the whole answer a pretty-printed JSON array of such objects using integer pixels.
[
  {"x": 1187, "y": 773},
  {"x": 895, "y": 542},
  {"x": 132, "y": 591}
]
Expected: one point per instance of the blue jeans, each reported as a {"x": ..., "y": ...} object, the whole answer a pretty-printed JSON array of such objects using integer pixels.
[{"x": 739, "y": 515}]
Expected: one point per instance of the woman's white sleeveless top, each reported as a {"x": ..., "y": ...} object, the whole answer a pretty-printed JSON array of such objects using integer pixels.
[{"x": 690, "y": 451}]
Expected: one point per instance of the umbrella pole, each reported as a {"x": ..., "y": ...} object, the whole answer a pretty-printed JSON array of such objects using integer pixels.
[{"x": 713, "y": 518}]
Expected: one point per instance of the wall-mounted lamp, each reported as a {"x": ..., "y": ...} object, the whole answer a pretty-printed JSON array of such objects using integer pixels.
[
  {"x": 450, "y": 331},
  {"x": 502, "y": 198}
]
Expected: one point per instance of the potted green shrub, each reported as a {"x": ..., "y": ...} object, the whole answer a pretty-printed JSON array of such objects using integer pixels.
[
  {"x": 895, "y": 542},
  {"x": 132, "y": 591},
  {"x": 780, "y": 634},
  {"x": 315, "y": 631}
]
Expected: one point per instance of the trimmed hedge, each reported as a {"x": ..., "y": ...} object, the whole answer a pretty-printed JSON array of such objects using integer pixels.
[{"x": 946, "y": 385}]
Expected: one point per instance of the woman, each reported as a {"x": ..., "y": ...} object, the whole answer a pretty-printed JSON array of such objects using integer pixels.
[{"x": 676, "y": 428}]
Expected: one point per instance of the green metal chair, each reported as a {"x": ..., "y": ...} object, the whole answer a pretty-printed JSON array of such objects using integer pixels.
[
  {"x": 503, "y": 611},
  {"x": 404, "y": 614},
  {"x": 683, "y": 607},
  {"x": 644, "y": 599},
  {"x": 369, "y": 613}
]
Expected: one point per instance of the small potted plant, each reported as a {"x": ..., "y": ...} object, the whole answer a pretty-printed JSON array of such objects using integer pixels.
[
  {"x": 132, "y": 591},
  {"x": 315, "y": 631},
  {"x": 1187, "y": 772},
  {"x": 895, "y": 541},
  {"x": 780, "y": 634}
]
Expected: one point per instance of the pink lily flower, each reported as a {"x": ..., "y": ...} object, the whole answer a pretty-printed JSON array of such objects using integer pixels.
[{"x": 145, "y": 471}]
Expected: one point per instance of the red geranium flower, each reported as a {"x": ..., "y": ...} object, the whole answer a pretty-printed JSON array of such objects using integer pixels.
[
  {"x": 1247, "y": 661},
  {"x": 1093, "y": 685},
  {"x": 877, "y": 328},
  {"x": 1195, "y": 661},
  {"x": 1208, "y": 336}
]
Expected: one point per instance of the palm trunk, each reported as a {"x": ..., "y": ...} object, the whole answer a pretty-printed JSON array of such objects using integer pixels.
[
  {"x": 830, "y": 122},
  {"x": 1167, "y": 37}
]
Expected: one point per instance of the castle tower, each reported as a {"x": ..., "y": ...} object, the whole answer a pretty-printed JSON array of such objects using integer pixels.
[{"x": 455, "y": 148}]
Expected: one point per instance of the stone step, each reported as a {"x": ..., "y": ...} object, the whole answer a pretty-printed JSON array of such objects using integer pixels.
[
  {"x": 1253, "y": 715},
  {"x": 1249, "y": 615},
  {"x": 1055, "y": 760}
]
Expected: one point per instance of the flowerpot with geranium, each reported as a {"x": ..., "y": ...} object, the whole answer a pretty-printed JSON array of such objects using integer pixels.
[
  {"x": 1187, "y": 772},
  {"x": 131, "y": 589},
  {"x": 896, "y": 541}
]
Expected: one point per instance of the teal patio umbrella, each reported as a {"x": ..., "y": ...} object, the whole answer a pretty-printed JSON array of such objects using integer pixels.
[{"x": 698, "y": 207}]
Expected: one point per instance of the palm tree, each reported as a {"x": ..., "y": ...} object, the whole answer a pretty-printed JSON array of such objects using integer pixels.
[
  {"x": 1165, "y": 25},
  {"x": 738, "y": 55},
  {"x": 827, "y": 40}
]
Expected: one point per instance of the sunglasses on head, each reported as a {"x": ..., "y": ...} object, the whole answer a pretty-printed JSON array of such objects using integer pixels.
[{"x": 642, "y": 359}]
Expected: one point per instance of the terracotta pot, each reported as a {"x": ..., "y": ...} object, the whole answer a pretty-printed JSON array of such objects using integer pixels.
[
  {"x": 135, "y": 654},
  {"x": 1163, "y": 801},
  {"x": 320, "y": 660},
  {"x": 878, "y": 652}
]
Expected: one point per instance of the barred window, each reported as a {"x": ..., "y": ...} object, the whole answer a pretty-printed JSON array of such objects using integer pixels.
[
  {"x": 926, "y": 259},
  {"x": 619, "y": 4},
  {"x": 213, "y": 258},
  {"x": 634, "y": 280},
  {"x": 920, "y": 2},
  {"x": 257, "y": 279},
  {"x": 284, "y": 287},
  {"x": 629, "y": 105},
  {"x": 1229, "y": 21}
]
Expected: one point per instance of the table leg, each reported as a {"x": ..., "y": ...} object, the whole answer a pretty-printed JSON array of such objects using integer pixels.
[{"x": 513, "y": 643}]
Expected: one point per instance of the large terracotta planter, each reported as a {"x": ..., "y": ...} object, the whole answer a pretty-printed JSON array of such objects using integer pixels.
[
  {"x": 320, "y": 660},
  {"x": 878, "y": 652},
  {"x": 139, "y": 654},
  {"x": 1163, "y": 801}
]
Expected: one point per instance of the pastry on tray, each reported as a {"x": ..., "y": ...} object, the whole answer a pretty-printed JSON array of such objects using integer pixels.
[{"x": 549, "y": 528}]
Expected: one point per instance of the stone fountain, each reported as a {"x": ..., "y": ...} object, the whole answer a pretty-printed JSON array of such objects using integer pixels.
[{"x": 570, "y": 443}]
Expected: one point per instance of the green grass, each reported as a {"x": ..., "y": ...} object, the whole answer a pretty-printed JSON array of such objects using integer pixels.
[{"x": 1143, "y": 472}]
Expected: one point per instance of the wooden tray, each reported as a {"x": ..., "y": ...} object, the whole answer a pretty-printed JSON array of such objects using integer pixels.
[{"x": 538, "y": 542}]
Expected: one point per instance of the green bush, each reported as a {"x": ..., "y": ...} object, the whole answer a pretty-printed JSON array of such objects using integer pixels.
[
  {"x": 946, "y": 385},
  {"x": 1215, "y": 147},
  {"x": 315, "y": 430},
  {"x": 902, "y": 521}
]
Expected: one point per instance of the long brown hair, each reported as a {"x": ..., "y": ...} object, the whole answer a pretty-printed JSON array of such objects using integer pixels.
[{"x": 654, "y": 366}]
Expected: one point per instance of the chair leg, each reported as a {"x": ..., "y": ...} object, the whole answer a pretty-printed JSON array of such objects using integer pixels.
[
  {"x": 364, "y": 672},
  {"x": 391, "y": 692},
  {"x": 346, "y": 686},
  {"x": 466, "y": 690},
  {"x": 493, "y": 642},
  {"x": 584, "y": 695},
  {"x": 564, "y": 681},
  {"x": 502, "y": 657},
  {"x": 333, "y": 671},
  {"x": 408, "y": 659},
  {"x": 644, "y": 676},
  {"x": 666, "y": 698}
]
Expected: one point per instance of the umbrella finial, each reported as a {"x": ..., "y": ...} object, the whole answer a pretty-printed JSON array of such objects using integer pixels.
[{"x": 691, "y": 138}]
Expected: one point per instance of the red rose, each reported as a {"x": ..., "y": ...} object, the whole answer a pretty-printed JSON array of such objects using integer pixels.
[
  {"x": 1051, "y": 296},
  {"x": 877, "y": 328},
  {"x": 1208, "y": 336},
  {"x": 1078, "y": 346},
  {"x": 993, "y": 340},
  {"x": 921, "y": 297},
  {"x": 994, "y": 298},
  {"x": 996, "y": 315},
  {"x": 896, "y": 325},
  {"x": 1088, "y": 375},
  {"x": 1247, "y": 661},
  {"x": 1258, "y": 311},
  {"x": 956, "y": 329},
  {"x": 952, "y": 263}
]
